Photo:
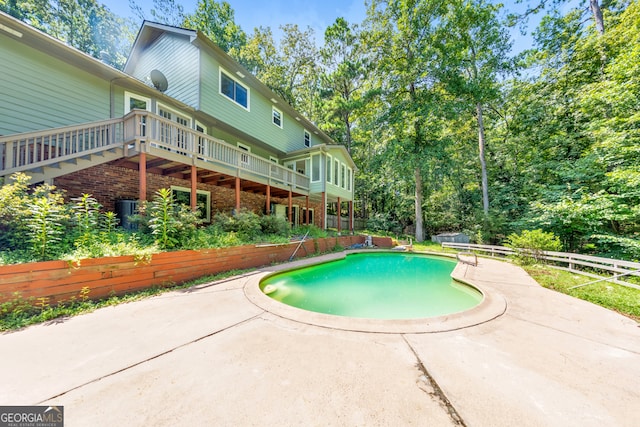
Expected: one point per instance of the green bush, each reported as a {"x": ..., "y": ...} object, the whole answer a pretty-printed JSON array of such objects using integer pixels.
[
  {"x": 244, "y": 223},
  {"x": 272, "y": 224},
  {"x": 531, "y": 244}
]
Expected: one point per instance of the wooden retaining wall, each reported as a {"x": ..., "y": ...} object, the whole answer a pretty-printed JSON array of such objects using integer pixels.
[{"x": 60, "y": 281}]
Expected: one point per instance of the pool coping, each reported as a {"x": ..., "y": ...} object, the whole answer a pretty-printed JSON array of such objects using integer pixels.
[{"x": 492, "y": 306}]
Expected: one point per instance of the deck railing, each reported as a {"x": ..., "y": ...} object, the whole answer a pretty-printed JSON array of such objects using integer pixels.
[
  {"x": 24, "y": 151},
  {"x": 28, "y": 151},
  {"x": 173, "y": 137},
  {"x": 569, "y": 261}
]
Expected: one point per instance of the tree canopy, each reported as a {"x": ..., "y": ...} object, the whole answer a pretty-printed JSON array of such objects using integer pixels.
[{"x": 450, "y": 129}]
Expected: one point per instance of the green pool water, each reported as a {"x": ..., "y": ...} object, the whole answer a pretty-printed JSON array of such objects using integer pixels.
[{"x": 376, "y": 286}]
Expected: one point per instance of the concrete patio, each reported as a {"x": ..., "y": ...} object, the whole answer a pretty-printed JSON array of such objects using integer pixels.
[{"x": 211, "y": 356}]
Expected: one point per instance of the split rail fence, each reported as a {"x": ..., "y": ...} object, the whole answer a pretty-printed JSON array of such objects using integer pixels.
[{"x": 583, "y": 264}]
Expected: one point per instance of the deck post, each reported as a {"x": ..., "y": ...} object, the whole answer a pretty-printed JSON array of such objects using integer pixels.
[
  {"x": 290, "y": 206},
  {"x": 306, "y": 219},
  {"x": 268, "y": 201},
  {"x": 323, "y": 213},
  {"x": 351, "y": 216},
  {"x": 339, "y": 217},
  {"x": 194, "y": 187},
  {"x": 237, "y": 193},
  {"x": 142, "y": 174}
]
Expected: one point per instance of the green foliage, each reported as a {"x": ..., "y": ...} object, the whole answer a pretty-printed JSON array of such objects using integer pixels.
[
  {"x": 382, "y": 222},
  {"x": 19, "y": 312},
  {"x": 272, "y": 224},
  {"x": 616, "y": 297},
  {"x": 46, "y": 223},
  {"x": 14, "y": 210},
  {"x": 170, "y": 223},
  {"x": 531, "y": 244},
  {"x": 313, "y": 231}
]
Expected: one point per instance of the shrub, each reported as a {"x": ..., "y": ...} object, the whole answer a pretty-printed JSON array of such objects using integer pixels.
[
  {"x": 530, "y": 244},
  {"x": 244, "y": 222},
  {"x": 170, "y": 223},
  {"x": 46, "y": 222},
  {"x": 272, "y": 224}
]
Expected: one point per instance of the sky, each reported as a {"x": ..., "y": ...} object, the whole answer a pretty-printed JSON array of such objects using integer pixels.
[
  {"x": 249, "y": 14},
  {"x": 317, "y": 14}
]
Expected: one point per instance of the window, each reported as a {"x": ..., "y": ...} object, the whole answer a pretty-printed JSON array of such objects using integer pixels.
[
  {"x": 307, "y": 139},
  {"x": 182, "y": 195},
  {"x": 244, "y": 157},
  {"x": 343, "y": 175},
  {"x": 315, "y": 168},
  {"x": 336, "y": 172},
  {"x": 276, "y": 117},
  {"x": 133, "y": 101},
  {"x": 329, "y": 168},
  {"x": 170, "y": 134},
  {"x": 234, "y": 90},
  {"x": 349, "y": 178}
]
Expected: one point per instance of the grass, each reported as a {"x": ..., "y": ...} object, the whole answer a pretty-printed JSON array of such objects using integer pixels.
[
  {"x": 19, "y": 312},
  {"x": 610, "y": 295}
]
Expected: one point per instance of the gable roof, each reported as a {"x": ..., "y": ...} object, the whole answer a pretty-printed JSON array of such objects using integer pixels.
[{"x": 150, "y": 31}]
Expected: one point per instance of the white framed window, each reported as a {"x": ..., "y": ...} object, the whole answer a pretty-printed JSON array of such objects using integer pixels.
[
  {"x": 315, "y": 168},
  {"x": 173, "y": 135},
  {"x": 182, "y": 195},
  {"x": 244, "y": 157},
  {"x": 234, "y": 90},
  {"x": 349, "y": 178},
  {"x": 329, "y": 168},
  {"x": 343, "y": 175},
  {"x": 307, "y": 138},
  {"x": 135, "y": 101},
  {"x": 276, "y": 117},
  {"x": 336, "y": 172}
]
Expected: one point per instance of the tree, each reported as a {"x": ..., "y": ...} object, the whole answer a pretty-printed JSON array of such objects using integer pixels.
[
  {"x": 344, "y": 62},
  {"x": 217, "y": 21},
  {"x": 473, "y": 49},
  {"x": 84, "y": 24},
  {"x": 164, "y": 11},
  {"x": 402, "y": 32}
]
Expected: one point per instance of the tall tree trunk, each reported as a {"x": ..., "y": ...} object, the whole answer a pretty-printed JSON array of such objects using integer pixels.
[
  {"x": 483, "y": 163},
  {"x": 597, "y": 15},
  {"x": 419, "y": 224}
]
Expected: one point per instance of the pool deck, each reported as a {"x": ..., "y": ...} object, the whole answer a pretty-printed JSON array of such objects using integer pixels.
[{"x": 210, "y": 356}]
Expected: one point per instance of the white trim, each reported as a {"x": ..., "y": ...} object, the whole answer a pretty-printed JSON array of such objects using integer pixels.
[
  {"x": 336, "y": 173},
  {"x": 198, "y": 124},
  {"x": 244, "y": 159},
  {"x": 273, "y": 117},
  {"x": 228, "y": 74},
  {"x": 317, "y": 155},
  {"x": 207, "y": 213},
  {"x": 306, "y": 132},
  {"x": 274, "y": 160},
  {"x": 127, "y": 101},
  {"x": 329, "y": 174},
  {"x": 174, "y": 111}
]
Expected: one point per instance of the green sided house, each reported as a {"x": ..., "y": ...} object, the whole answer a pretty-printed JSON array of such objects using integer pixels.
[{"x": 182, "y": 115}]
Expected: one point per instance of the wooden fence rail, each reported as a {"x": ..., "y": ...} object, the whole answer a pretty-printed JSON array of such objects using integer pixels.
[{"x": 569, "y": 261}]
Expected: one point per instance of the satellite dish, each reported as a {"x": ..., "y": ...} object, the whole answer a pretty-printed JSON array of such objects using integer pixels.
[{"x": 159, "y": 80}]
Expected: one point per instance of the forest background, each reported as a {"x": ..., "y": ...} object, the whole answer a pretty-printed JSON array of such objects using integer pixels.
[{"x": 450, "y": 130}]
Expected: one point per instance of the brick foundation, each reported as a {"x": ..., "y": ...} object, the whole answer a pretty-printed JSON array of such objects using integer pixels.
[{"x": 108, "y": 183}]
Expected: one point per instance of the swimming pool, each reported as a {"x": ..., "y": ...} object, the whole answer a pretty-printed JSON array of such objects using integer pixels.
[{"x": 375, "y": 285}]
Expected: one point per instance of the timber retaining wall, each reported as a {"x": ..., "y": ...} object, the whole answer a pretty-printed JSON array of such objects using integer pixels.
[{"x": 62, "y": 281}]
